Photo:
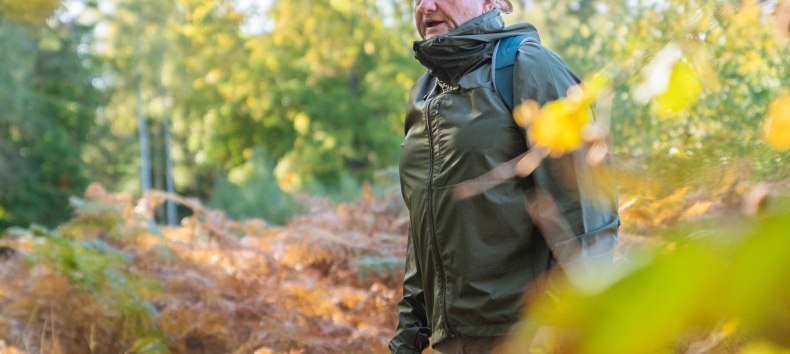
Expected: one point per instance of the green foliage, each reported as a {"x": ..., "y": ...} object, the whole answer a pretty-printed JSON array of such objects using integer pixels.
[
  {"x": 153, "y": 345},
  {"x": 729, "y": 281},
  {"x": 346, "y": 87},
  {"x": 368, "y": 266},
  {"x": 324, "y": 94},
  {"x": 96, "y": 267},
  {"x": 730, "y": 45},
  {"x": 324, "y": 87},
  {"x": 48, "y": 106},
  {"x": 85, "y": 252},
  {"x": 251, "y": 191},
  {"x": 105, "y": 273},
  {"x": 315, "y": 104},
  {"x": 218, "y": 285},
  {"x": 699, "y": 133}
]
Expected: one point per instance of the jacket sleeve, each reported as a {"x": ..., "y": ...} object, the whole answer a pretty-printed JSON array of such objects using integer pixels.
[
  {"x": 576, "y": 203},
  {"x": 413, "y": 329}
]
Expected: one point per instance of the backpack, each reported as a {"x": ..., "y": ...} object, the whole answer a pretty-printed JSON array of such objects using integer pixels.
[{"x": 504, "y": 58}]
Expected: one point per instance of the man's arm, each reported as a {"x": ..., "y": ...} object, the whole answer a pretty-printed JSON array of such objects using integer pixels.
[
  {"x": 413, "y": 328},
  {"x": 577, "y": 211}
]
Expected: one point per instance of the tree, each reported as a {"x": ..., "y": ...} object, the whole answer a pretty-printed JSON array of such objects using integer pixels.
[
  {"x": 731, "y": 54},
  {"x": 342, "y": 72},
  {"x": 324, "y": 102},
  {"x": 48, "y": 105}
]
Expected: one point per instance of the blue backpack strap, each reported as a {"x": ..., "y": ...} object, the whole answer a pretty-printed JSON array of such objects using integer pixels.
[{"x": 505, "y": 53}]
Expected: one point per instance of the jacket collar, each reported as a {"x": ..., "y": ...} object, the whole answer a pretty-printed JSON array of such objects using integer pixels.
[{"x": 451, "y": 55}]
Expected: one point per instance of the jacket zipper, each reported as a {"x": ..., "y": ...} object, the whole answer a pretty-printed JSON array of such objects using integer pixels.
[{"x": 437, "y": 254}]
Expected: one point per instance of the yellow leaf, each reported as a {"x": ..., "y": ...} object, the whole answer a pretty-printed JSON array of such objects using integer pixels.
[
  {"x": 213, "y": 76},
  {"x": 369, "y": 48},
  {"x": 525, "y": 113},
  {"x": 302, "y": 123},
  {"x": 199, "y": 84},
  {"x": 594, "y": 85},
  {"x": 750, "y": 63},
  {"x": 764, "y": 347},
  {"x": 777, "y": 123},
  {"x": 729, "y": 327},
  {"x": 559, "y": 126},
  {"x": 749, "y": 13},
  {"x": 683, "y": 90}
]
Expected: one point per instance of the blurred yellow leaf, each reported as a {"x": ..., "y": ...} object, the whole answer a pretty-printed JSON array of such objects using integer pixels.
[
  {"x": 683, "y": 90},
  {"x": 369, "y": 48},
  {"x": 749, "y": 13},
  {"x": 751, "y": 62},
  {"x": 302, "y": 123},
  {"x": 247, "y": 153},
  {"x": 657, "y": 74},
  {"x": 199, "y": 84},
  {"x": 525, "y": 113},
  {"x": 213, "y": 76},
  {"x": 702, "y": 57},
  {"x": 696, "y": 210},
  {"x": 728, "y": 328},
  {"x": 559, "y": 126},
  {"x": 594, "y": 86},
  {"x": 5, "y": 349},
  {"x": 777, "y": 124},
  {"x": 763, "y": 347}
]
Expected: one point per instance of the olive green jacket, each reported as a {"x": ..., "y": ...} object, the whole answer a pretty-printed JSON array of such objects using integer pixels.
[{"x": 473, "y": 250}]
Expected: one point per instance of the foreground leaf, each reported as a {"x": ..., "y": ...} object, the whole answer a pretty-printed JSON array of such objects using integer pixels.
[
  {"x": 777, "y": 124},
  {"x": 682, "y": 92}
]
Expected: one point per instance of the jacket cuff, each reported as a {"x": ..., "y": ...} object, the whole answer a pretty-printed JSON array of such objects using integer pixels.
[
  {"x": 410, "y": 340},
  {"x": 595, "y": 244}
]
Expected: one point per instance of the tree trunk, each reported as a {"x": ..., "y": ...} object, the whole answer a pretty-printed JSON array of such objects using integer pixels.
[
  {"x": 169, "y": 182},
  {"x": 145, "y": 142},
  {"x": 142, "y": 124}
]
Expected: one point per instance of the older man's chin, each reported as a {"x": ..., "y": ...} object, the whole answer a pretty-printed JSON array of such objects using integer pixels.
[{"x": 436, "y": 31}]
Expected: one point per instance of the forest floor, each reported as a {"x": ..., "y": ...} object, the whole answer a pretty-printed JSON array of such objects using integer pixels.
[{"x": 327, "y": 282}]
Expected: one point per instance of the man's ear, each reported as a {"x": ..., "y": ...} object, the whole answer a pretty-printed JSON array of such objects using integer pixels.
[{"x": 488, "y": 5}]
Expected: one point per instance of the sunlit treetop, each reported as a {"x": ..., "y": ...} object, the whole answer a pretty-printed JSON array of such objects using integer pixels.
[{"x": 31, "y": 12}]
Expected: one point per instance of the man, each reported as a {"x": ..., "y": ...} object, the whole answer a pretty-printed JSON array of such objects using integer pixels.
[{"x": 471, "y": 257}]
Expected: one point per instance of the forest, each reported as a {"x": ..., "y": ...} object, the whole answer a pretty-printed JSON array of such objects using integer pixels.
[{"x": 221, "y": 176}]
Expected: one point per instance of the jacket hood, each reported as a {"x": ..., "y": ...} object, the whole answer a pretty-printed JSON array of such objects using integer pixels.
[{"x": 451, "y": 55}]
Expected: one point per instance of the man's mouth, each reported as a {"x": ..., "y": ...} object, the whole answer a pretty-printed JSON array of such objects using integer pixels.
[{"x": 432, "y": 23}]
